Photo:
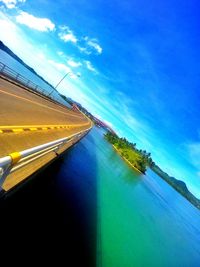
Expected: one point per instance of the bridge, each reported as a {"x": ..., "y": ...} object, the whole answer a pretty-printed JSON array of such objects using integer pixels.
[{"x": 34, "y": 128}]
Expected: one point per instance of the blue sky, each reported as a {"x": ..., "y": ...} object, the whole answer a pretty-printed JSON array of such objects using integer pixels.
[{"x": 139, "y": 62}]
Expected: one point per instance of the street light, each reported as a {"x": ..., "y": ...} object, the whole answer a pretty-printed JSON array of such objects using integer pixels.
[{"x": 78, "y": 75}]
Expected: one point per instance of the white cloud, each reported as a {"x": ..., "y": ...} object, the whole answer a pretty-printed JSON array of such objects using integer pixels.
[
  {"x": 84, "y": 50},
  {"x": 74, "y": 64},
  {"x": 90, "y": 66},
  {"x": 12, "y": 3},
  {"x": 67, "y": 35},
  {"x": 60, "y": 66},
  {"x": 86, "y": 45},
  {"x": 64, "y": 69},
  {"x": 91, "y": 45},
  {"x": 40, "y": 24}
]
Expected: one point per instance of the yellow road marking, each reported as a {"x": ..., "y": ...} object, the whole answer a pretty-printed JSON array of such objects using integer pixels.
[
  {"x": 5, "y": 127},
  {"x": 17, "y": 130}
]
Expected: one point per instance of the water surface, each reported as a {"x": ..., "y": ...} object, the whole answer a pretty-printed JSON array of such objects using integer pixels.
[
  {"x": 89, "y": 208},
  {"x": 143, "y": 221}
]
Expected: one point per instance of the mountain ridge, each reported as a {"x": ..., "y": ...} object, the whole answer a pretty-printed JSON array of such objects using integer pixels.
[{"x": 12, "y": 54}]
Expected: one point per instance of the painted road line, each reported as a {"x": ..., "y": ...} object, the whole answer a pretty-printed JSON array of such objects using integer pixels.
[
  {"x": 19, "y": 129},
  {"x": 3, "y": 127}
]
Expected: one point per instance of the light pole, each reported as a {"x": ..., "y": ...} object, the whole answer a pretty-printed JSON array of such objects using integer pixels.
[
  {"x": 78, "y": 75},
  {"x": 62, "y": 78}
]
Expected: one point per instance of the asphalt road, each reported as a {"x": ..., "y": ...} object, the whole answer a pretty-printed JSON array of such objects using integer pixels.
[{"x": 20, "y": 108}]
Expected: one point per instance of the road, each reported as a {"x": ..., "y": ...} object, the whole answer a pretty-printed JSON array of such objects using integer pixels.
[
  {"x": 28, "y": 120},
  {"x": 21, "y": 107}
]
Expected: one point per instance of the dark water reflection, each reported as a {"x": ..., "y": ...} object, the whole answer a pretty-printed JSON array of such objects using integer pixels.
[
  {"x": 141, "y": 220},
  {"x": 54, "y": 215}
]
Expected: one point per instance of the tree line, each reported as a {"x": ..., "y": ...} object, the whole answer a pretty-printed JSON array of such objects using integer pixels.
[{"x": 140, "y": 159}]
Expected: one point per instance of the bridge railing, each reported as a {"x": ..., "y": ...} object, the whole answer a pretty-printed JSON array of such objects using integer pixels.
[
  {"x": 15, "y": 76},
  {"x": 17, "y": 160}
]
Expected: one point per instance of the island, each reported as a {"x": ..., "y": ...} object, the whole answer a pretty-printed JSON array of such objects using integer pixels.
[
  {"x": 137, "y": 159},
  {"x": 140, "y": 160}
]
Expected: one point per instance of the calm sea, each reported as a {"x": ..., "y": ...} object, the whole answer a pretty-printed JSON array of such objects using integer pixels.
[{"x": 90, "y": 209}]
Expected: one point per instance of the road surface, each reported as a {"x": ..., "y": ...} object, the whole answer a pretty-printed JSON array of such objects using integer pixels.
[{"x": 28, "y": 120}]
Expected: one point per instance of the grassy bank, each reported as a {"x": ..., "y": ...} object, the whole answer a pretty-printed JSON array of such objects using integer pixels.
[
  {"x": 137, "y": 159},
  {"x": 120, "y": 153}
]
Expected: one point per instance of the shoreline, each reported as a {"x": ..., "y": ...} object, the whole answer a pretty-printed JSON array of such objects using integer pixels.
[{"x": 127, "y": 160}]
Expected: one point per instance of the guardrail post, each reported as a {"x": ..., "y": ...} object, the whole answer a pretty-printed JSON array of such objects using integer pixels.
[
  {"x": 58, "y": 147},
  {"x": 17, "y": 76},
  {"x": 4, "y": 171},
  {"x": 41, "y": 90},
  {"x": 3, "y": 68}
]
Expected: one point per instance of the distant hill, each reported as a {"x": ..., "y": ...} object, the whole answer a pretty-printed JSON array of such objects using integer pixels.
[
  {"x": 9, "y": 52},
  {"x": 178, "y": 185}
]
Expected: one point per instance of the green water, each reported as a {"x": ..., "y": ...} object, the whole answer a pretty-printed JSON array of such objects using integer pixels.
[{"x": 142, "y": 221}]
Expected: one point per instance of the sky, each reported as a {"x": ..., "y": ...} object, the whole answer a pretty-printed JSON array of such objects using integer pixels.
[{"x": 139, "y": 67}]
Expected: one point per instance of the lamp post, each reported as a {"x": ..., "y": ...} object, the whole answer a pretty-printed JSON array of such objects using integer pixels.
[
  {"x": 78, "y": 75},
  {"x": 62, "y": 78}
]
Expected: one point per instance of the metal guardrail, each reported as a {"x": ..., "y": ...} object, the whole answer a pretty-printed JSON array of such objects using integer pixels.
[
  {"x": 17, "y": 160},
  {"x": 15, "y": 76}
]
